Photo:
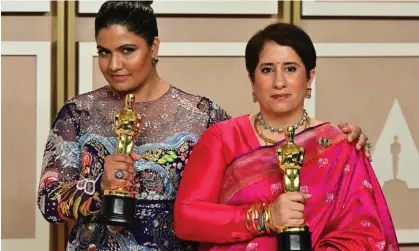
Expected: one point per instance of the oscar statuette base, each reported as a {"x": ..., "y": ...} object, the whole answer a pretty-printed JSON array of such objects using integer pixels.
[
  {"x": 294, "y": 239},
  {"x": 118, "y": 210}
]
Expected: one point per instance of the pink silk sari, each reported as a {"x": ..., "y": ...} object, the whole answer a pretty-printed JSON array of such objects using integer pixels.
[{"x": 347, "y": 211}]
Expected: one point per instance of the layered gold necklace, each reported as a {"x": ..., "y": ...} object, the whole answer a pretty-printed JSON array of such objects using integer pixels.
[{"x": 257, "y": 124}]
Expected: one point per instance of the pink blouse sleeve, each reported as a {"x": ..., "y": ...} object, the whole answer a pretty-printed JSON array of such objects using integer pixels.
[{"x": 197, "y": 215}]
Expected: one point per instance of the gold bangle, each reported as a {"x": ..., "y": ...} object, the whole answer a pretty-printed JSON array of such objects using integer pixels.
[
  {"x": 271, "y": 219},
  {"x": 267, "y": 219},
  {"x": 248, "y": 217},
  {"x": 255, "y": 216}
]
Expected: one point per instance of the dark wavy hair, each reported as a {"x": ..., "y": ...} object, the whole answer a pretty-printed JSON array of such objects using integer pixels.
[
  {"x": 137, "y": 16},
  {"x": 283, "y": 34}
]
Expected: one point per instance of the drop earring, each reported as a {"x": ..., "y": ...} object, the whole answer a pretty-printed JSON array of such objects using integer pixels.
[
  {"x": 255, "y": 100},
  {"x": 308, "y": 93}
]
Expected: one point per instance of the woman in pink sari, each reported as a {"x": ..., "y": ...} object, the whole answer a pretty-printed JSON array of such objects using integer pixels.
[{"x": 233, "y": 173}]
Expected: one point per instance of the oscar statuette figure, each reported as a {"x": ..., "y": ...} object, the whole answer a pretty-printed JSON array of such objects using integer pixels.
[
  {"x": 291, "y": 158},
  {"x": 118, "y": 206}
]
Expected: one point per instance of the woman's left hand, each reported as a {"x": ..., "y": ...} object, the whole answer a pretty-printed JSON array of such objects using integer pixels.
[{"x": 355, "y": 132}]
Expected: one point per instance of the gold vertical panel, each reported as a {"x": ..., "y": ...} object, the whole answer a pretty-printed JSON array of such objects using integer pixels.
[
  {"x": 58, "y": 233},
  {"x": 59, "y": 33},
  {"x": 286, "y": 11},
  {"x": 296, "y": 12},
  {"x": 71, "y": 49},
  {"x": 71, "y": 68}
]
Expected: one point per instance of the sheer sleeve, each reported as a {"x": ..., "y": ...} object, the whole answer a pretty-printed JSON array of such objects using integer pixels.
[
  {"x": 362, "y": 220},
  {"x": 197, "y": 215},
  {"x": 64, "y": 193},
  {"x": 215, "y": 112}
]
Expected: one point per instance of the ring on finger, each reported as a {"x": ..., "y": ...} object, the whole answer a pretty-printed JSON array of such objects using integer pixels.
[{"x": 119, "y": 174}]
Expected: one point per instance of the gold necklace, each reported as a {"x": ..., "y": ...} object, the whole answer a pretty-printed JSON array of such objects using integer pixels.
[{"x": 266, "y": 139}]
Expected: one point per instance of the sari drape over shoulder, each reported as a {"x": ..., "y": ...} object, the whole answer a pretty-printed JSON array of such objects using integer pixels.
[{"x": 229, "y": 171}]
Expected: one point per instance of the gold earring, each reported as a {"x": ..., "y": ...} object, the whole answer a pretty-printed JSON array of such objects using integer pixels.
[
  {"x": 308, "y": 93},
  {"x": 255, "y": 99},
  {"x": 155, "y": 60}
]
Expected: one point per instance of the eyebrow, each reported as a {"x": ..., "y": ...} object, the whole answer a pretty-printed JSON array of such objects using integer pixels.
[
  {"x": 291, "y": 63},
  {"x": 120, "y": 47},
  {"x": 266, "y": 64}
]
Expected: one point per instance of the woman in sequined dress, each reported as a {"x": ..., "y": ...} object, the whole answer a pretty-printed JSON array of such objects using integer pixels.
[
  {"x": 80, "y": 161},
  {"x": 232, "y": 193}
]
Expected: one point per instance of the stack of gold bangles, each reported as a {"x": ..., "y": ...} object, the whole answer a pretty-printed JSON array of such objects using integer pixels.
[{"x": 259, "y": 218}]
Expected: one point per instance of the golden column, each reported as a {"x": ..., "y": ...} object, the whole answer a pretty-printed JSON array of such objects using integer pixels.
[
  {"x": 64, "y": 87},
  {"x": 291, "y": 11}
]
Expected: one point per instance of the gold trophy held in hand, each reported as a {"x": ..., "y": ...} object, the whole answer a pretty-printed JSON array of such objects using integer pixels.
[
  {"x": 291, "y": 159},
  {"x": 118, "y": 206}
]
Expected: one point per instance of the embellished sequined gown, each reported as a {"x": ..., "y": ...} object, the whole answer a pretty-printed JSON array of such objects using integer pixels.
[{"x": 83, "y": 134}]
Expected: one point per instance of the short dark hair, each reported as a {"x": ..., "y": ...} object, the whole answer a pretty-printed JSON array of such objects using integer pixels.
[
  {"x": 137, "y": 16},
  {"x": 283, "y": 34}
]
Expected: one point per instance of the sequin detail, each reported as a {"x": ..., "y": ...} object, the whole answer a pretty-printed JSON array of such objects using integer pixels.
[{"x": 83, "y": 135}]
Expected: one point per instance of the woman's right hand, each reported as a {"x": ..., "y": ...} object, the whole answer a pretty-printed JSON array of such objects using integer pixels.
[
  {"x": 116, "y": 162},
  {"x": 288, "y": 209}
]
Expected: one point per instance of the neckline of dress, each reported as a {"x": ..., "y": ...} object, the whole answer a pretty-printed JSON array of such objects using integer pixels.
[{"x": 169, "y": 90}]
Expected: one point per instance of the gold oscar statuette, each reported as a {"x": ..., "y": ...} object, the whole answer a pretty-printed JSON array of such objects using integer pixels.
[
  {"x": 118, "y": 207},
  {"x": 127, "y": 126},
  {"x": 291, "y": 160}
]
